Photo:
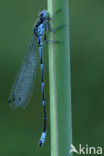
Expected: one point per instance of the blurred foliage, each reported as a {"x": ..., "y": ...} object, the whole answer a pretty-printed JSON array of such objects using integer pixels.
[
  {"x": 87, "y": 76},
  {"x": 20, "y": 130}
]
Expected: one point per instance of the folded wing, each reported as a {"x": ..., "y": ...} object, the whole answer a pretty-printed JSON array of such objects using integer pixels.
[{"x": 23, "y": 85}]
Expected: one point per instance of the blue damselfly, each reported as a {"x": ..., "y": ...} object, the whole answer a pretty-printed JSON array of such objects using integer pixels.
[{"x": 23, "y": 85}]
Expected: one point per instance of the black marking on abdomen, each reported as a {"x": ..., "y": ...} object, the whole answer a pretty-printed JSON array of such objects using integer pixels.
[{"x": 42, "y": 82}]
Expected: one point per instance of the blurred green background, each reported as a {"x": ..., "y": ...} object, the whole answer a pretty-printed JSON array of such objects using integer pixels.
[{"x": 20, "y": 130}]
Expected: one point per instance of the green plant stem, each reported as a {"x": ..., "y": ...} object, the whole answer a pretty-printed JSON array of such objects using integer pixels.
[{"x": 59, "y": 80}]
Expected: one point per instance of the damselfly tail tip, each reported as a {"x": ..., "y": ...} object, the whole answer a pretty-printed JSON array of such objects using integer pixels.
[
  {"x": 40, "y": 143},
  {"x": 42, "y": 139}
]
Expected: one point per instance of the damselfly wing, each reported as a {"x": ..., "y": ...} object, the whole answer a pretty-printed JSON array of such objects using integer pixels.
[{"x": 23, "y": 85}]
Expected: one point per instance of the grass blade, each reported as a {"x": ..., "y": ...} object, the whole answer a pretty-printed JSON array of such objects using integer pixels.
[{"x": 59, "y": 79}]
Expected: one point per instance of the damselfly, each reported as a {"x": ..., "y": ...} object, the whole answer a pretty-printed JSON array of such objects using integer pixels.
[{"x": 23, "y": 85}]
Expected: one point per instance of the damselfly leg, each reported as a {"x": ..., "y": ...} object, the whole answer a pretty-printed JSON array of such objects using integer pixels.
[{"x": 52, "y": 18}]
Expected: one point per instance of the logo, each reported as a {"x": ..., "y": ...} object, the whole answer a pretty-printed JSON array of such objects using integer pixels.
[{"x": 86, "y": 150}]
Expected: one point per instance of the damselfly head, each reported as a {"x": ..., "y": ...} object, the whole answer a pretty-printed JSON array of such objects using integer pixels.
[{"x": 43, "y": 14}]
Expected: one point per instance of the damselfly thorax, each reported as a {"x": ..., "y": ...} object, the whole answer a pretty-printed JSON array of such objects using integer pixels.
[{"x": 41, "y": 24}]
